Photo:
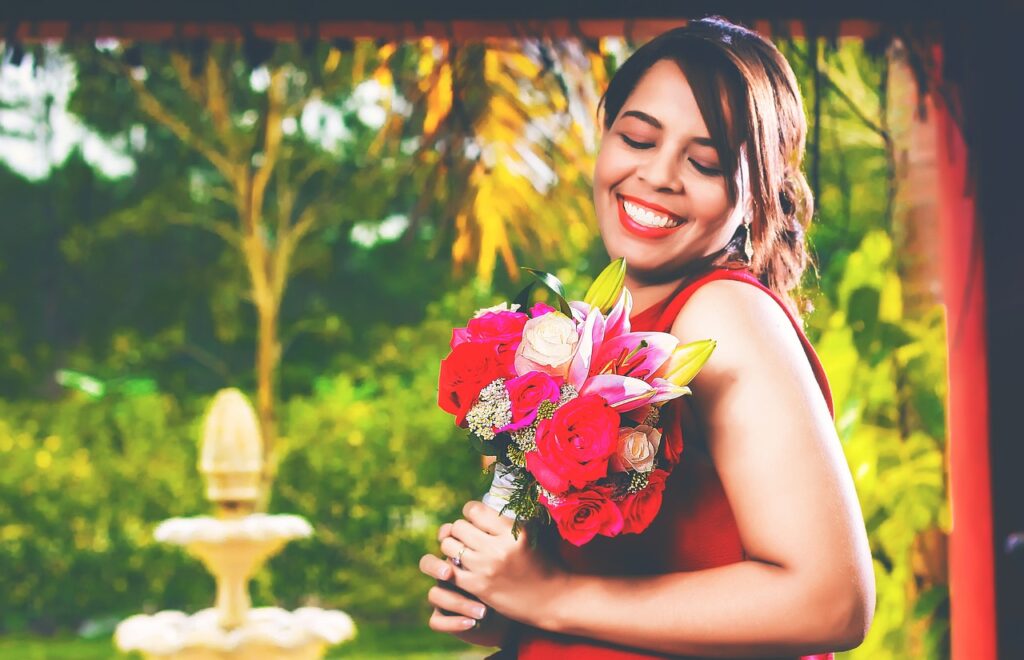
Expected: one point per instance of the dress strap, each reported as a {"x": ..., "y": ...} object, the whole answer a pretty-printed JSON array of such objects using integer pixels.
[{"x": 667, "y": 311}]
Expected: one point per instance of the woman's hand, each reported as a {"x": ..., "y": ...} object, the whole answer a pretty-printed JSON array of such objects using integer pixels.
[
  {"x": 502, "y": 571},
  {"x": 456, "y": 612}
]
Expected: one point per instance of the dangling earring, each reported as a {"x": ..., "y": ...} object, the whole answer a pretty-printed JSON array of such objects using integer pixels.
[{"x": 748, "y": 245}]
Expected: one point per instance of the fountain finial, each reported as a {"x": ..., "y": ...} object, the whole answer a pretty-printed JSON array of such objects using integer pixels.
[{"x": 231, "y": 458}]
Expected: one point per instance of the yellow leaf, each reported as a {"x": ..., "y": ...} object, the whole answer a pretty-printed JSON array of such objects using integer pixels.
[
  {"x": 333, "y": 60},
  {"x": 439, "y": 100}
]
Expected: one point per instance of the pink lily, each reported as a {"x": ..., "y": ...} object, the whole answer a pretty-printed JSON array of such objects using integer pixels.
[
  {"x": 635, "y": 354},
  {"x": 617, "y": 321},
  {"x": 591, "y": 339},
  {"x": 621, "y": 392},
  {"x": 666, "y": 390}
]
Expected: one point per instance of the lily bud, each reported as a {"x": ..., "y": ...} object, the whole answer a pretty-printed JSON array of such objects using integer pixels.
[
  {"x": 605, "y": 290},
  {"x": 687, "y": 361}
]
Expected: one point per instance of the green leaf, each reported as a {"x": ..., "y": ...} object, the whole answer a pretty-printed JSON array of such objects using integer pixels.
[
  {"x": 523, "y": 297},
  {"x": 554, "y": 285},
  {"x": 485, "y": 447}
]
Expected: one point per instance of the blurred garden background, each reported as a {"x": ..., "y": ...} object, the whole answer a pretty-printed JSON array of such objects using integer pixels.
[{"x": 307, "y": 221}]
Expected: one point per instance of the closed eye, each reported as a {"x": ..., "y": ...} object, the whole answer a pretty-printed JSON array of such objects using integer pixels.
[
  {"x": 704, "y": 169},
  {"x": 634, "y": 143}
]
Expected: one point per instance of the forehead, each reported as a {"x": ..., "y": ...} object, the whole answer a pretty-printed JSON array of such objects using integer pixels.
[{"x": 664, "y": 93}]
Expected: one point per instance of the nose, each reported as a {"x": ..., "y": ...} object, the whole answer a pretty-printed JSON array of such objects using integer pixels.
[{"x": 662, "y": 170}]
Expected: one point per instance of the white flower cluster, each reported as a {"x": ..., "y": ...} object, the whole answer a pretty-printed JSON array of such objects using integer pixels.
[
  {"x": 492, "y": 409},
  {"x": 525, "y": 438}
]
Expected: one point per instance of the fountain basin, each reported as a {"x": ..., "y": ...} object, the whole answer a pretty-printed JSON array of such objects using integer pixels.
[{"x": 267, "y": 633}]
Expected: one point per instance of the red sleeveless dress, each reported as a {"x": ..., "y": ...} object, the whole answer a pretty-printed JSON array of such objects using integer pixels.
[{"x": 695, "y": 528}]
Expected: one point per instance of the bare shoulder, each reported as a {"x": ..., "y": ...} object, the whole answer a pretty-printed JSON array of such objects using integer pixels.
[{"x": 748, "y": 324}]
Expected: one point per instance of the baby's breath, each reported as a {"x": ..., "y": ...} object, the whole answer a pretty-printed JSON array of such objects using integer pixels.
[
  {"x": 546, "y": 410},
  {"x": 492, "y": 409},
  {"x": 653, "y": 416},
  {"x": 638, "y": 481},
  {"x": 525, "y": 439},
  {"x": 516, "y": 456}
]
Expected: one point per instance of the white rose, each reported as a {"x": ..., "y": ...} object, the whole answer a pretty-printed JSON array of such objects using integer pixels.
[
  {"x": 637, "y": 447},
  {"x": 549, "y": 344},
  {"x": 503, "y": 307}
]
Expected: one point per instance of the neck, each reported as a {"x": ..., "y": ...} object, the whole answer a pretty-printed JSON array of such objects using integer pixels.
[{"x": 646, "y": 294}]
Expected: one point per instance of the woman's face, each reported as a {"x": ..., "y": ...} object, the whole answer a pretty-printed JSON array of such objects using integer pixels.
[{"x": 659, "y": 190}]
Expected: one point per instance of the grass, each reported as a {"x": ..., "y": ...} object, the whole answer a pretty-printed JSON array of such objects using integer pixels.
[{"x": 375, "y": 642}]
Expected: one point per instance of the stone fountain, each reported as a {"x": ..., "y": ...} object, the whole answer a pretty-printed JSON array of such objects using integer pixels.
[{"x": 233, "y": 546}]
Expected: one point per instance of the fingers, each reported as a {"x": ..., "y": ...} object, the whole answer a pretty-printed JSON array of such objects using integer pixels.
[
  {"x": 445, "y": 530},
  {"x": 454, "y": 603},
  {"x": 470, "y": 534},
  {"x": 485, "y": 518},
  {"x": 436, "y": 567},
  {"x": 456, "y": 549},
  {"x": 450, "y": 624}
]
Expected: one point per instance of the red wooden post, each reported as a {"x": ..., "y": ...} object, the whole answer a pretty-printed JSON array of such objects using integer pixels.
[{"x": 971, "y": 552}]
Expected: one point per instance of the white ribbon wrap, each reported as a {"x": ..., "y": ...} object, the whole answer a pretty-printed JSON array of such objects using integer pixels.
[{"x": 502, "y": 487}]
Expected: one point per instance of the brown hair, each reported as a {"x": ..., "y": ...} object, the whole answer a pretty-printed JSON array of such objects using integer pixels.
[{"x": 749, "y": 99}]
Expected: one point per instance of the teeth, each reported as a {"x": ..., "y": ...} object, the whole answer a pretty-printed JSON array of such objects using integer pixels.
[{"x": 648, "y": 217}]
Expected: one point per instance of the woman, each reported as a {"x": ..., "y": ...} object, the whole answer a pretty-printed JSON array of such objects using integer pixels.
[{"x": 759, "y": 549}]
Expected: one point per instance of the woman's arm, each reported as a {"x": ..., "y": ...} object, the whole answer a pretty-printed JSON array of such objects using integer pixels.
[{"x": 807, "y": 585}]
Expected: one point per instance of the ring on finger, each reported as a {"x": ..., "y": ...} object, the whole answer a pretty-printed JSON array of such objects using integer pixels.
[{"x": 457, "y": 559}]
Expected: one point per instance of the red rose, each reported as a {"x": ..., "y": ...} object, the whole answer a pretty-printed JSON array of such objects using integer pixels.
[
  {"x": 640, "y": 508},
  {"x": 469, "y": 368},
  {"x": 526, "y": 394},
  {"x": 573, "y": 447},
  {"x": 581, "y": 515},
  {"x": 503, "y": 328}
]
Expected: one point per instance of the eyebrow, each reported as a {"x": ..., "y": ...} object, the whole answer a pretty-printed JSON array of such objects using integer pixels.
[{"x": 647, "y": 119}]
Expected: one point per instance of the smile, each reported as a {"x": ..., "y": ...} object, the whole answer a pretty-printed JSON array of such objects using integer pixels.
[{"x": 643, "y": 220}]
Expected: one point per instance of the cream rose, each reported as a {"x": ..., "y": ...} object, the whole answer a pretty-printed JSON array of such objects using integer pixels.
[
  {"x": 637, "y": 447},
  {"x": 549, "y": 344}
]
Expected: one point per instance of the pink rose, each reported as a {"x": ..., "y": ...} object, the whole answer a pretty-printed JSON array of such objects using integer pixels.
[
  {"x": 540, "y": 309},
  {"x": 637, "y": 448},
  {"x": 639, "y": 509},
  {"x": 574, "y": 446},
  {"x": 459, "y": 336},
  {"x": 581, "y": 515},
  {"x": 526, "y": 394}
]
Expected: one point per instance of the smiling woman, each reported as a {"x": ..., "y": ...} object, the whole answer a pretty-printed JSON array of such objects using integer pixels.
[{"x": 759, "y": 549}]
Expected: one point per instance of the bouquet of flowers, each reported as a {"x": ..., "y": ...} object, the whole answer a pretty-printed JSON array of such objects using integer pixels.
[{"x": 567, "y": 400}]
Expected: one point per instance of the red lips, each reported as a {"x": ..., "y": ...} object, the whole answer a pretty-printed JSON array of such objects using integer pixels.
[{"x": 640, "y": 230}]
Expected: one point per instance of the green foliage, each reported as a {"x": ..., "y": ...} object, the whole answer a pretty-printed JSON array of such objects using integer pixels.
[
  {"x": 83, "y": 483},
  {"x": 886, "y": 363}
]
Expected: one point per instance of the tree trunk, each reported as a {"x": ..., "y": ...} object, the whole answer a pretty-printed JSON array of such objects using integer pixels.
[{"x": 268, "y": 356}]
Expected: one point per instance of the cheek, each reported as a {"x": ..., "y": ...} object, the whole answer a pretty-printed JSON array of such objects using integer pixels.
[{"x": 710, "y": 201}]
